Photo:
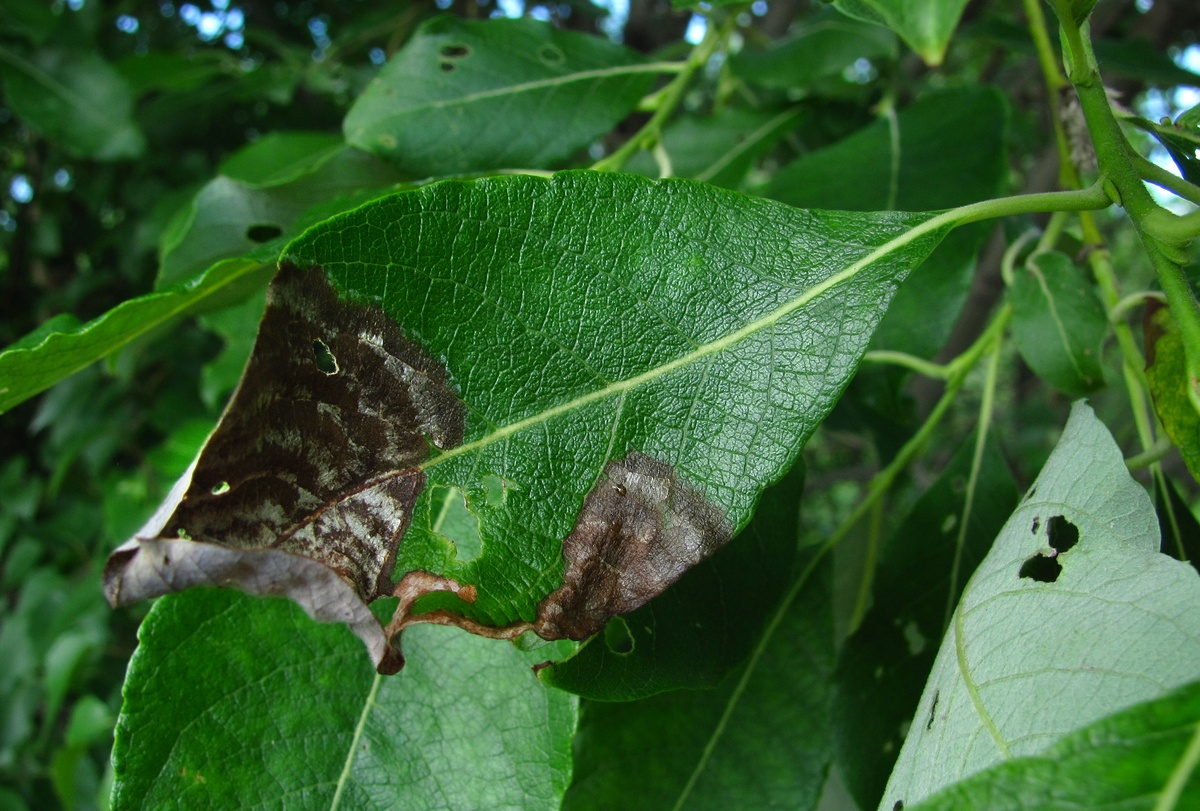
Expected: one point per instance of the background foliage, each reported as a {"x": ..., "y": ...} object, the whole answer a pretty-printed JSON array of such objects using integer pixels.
[{"x": 156, "y": 160}]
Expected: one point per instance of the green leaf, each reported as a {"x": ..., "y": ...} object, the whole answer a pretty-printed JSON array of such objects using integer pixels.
[
  {"x": 274, "y": 184},
  {"x": 1141, "y": 758},
  {"x": 685, "y": 637},
  {"x": 925, "y": 25},
  {"x": 1073, "y": 615},
  {"x": 1181, "y": 139},
  {"x": 823, "y": 45},
  {"x": 1058, "y": 323},
  {"x": 29, "y": 368},
  {"x": 223, "y": 726},
  {"x": 720, "y": 148},
  {"x": 1166, "y": 375},
  {"x": 471, "y": 96},
  {"x": 883, "y": 666},
  {"x": 571, "y": 350},
  {"x": 177, "y": 73},
  {"x": 75, "y": 98},
  {"x": 761, "y": 740}
]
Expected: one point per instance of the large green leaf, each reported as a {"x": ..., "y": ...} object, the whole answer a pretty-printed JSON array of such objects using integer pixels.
[
  {"x": 1141, "y": 758},
  {"x": 926, "y": 25},
  {"x": 883, "y": 666},
  {"x": 697, "y": 631},
  {"x": 761, "y": 740},
  {"x": 608, "y": 369},
  {"x": 76, "y": 98},
  {"x": 32, "y": 366},
  {"x": 1073, "y": 615},
  {"x": 216, "y": 724},
  {"x": 470, "y": 96}
]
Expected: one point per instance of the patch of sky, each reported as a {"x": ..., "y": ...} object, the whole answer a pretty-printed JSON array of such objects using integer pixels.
[
  {"x": 20, "y": 189},
  {"x": 613, "y": 23},
  {"x": 696, "y": 28},
  {"x": 127, "y": 24},
  {"x": 511, "y": 8},
  {"x": 377, "y": 56}
]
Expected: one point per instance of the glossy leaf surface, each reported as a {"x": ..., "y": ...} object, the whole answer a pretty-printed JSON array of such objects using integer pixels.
[{"x": 1019, "y": 666}]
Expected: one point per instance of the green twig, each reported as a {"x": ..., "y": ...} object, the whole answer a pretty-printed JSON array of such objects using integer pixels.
[
  {"x": 911, "y": 362},
  {"x": 1173, "y": 183},
  {"x": 668, "y": 99}
]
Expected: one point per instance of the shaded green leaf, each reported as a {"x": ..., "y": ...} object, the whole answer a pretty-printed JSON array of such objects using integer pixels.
[
  {"x": 1167, "y": 377},
  {"x": 469, "y": 96},
  {"x": 719, "y": 148},
  {"x": 1073, "y": 615},
  {"x": 1058, "y": 323},
  {"x": 760, "y": 740},
  {"x": 823, "y": 45},
  {"x": 1140, "y": 758},
  {"x": 925, "y": 25},
  {"x": 697, "y": 631},
  {"x": 1181, "y": 139},
  {"x": 466, "y": 726},
  {"x": 883, "y": 666},
  {"x": 75, "y": 98}
]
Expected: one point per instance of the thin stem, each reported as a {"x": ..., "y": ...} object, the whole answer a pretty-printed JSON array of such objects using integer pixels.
[
  {"x": 1173, "y": 183},
  {"x": 912, "y": 362}
]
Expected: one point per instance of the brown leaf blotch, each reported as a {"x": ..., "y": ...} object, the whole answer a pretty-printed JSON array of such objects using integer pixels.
[
  {"x": 640, "y": 529},
  {"x": 316, "y": 459}
]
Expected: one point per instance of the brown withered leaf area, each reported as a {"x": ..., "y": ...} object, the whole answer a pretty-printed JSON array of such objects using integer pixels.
[
  {"x": 308, "y": 484},
  {"x": 640, "y": 529},
  {"x": 314, "y": 462}
]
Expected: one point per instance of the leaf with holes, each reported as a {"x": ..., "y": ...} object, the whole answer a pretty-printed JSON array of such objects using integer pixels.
[
  {"x": 259, "y": 200},
  {"x": 1058, "y": 323},
  {"x": 608, "y": 370},
  {"x": 469, "y": 96},
  {"x": 1073, "y": 615}
]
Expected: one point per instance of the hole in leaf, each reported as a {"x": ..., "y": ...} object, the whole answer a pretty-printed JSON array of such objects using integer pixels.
[
  {"x": 1032, "y": 492},
  {"x": 1041, "y": 568},
  {"x": 1037, "y": 524},
  {"x": 326, "y": 363},
  {"x": 456, "y": 522},
  {"x": 933, "y": 709},
  {"x": 618, "y": 637},
  {"x": 551, "y": 55},
  {"x": 220, "y": 488},
  {"x": 1062, "y": 534},
  {"x": 454, "y": 51},
  {"x": 263, "y": 232},
  {"x": 447, "y": 67},
  {"x": 899, "y": 806}
]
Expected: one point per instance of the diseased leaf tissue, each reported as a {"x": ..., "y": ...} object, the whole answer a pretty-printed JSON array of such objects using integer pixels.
[{"x": 308, "y": 484}]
